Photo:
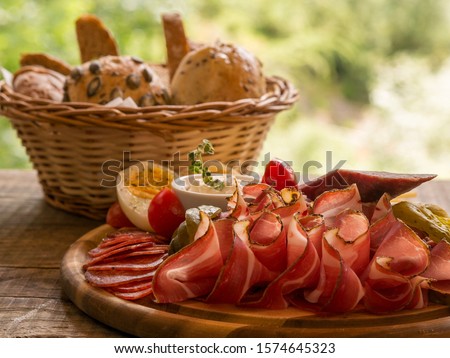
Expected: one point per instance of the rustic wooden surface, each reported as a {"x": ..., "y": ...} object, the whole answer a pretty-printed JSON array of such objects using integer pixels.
[{"x": 34, "y": 239}]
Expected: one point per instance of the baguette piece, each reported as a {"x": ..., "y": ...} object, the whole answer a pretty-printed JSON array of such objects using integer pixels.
[
  {"x": 94, "y": 39},
  {"x": 177, "y": 44}
]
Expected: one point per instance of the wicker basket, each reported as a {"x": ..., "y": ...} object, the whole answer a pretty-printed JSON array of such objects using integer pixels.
[{"x": 77, "y": 148}]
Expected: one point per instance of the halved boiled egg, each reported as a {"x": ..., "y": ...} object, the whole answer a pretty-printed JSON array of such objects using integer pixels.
[{"x": 136, "y": 187}]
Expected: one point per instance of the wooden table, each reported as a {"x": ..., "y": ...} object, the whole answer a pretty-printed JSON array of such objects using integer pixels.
[{"x": 34, "y": 238}]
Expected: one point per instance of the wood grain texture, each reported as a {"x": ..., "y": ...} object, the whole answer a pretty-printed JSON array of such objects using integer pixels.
[{"x": 34, "y": 238}]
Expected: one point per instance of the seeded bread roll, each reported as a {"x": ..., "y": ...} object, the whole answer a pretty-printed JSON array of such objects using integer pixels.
[
  {"x": 39, "y": 82},
  {"x": 221, "y": 72},
  {"x": 109, "y": 77},
  {"x": 163, "y": 72}
]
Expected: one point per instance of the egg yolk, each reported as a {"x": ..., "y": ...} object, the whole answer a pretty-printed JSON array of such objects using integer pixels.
[{"x": 147, "y": 183}]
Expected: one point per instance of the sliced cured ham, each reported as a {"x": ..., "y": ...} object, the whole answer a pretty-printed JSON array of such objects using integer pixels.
[
  {"x": 420, "y": 293},
  {"x": 382, "y": 208},
  {"x": 442, "y": 286},
  {"x": 331, "y": 203},
  {"x": 218, "y": 265},
  {"x": 192, "y": 271},
  {"x": 382, "y": 220},
  {"x": 351, "y": 239},
  {"x": 237, "y": 206},
  {"x": 253, "y": 191},
  {"x": 439, "y": 269},
  {"x": 267, "y": 240},
  {"x": 302, "y": 271},
  {"x": 287, "y": 212},
  {"x": 225, "y": 235},
  {"x": 339, "y": 288},
  {"x": 241, "y": 270},
  {"x": 314, "y": 225},
  {"x": 409, "y": 255},
  {"x": 386, "y": 290}
]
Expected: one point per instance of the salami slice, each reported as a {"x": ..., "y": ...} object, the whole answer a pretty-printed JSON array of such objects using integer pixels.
[
  {"x": 100, "y": 251},
  {"x": 133, "y": 286},
  {"x": 125, "y": 262},
  {"x": 150, "y": 251},
  {"x": 131, "y": 296},
  {"x": 117, "y": 277},
  {"x": 136, "y": 263},
  {"x": 123, "y": 249},
  {"x": 371, "y": 184}
]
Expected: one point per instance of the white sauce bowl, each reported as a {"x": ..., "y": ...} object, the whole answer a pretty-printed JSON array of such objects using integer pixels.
[{"x": 192, "y": 192}]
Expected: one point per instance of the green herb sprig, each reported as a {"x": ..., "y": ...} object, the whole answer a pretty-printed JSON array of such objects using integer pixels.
[{"x": 198, "y": 167}]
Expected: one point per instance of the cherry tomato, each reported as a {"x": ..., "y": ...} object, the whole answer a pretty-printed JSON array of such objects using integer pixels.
[
  {"x": 279, "y": 174},
  {"x": 165, "y": 213},
  {"x": 116, "y": 218}
]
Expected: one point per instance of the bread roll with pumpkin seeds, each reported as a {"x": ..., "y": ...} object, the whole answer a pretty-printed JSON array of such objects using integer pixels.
[
  {"x": 222, "y": 72},
  {"x": 109, "y": 77}
]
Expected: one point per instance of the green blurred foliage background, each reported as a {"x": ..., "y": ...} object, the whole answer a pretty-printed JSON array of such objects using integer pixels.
[{"x": 374, "y": 75}]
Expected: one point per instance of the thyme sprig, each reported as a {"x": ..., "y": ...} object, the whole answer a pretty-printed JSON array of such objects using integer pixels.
[{"x": 198, "y": 167}]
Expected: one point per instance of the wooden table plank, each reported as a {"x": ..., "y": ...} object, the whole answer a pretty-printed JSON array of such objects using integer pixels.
[
  {"x": 34, "y": 237},
  {"x": 45, "y": 233},
  {"x": 39, "y": 317}
]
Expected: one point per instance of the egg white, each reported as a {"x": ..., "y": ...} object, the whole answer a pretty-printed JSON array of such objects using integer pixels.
[{"x": 134, "y": 207}]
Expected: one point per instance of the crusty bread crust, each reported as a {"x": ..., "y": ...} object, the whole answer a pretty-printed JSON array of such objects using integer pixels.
[
  {"x": 39, "y": 82},
  {"x": 177, "y": 44},
  {"x": 221, "y": 72},
  {"x": 45, "y": 60},
  {"x": 109, "y": 77},
  {"x": 94, "y": 39}
]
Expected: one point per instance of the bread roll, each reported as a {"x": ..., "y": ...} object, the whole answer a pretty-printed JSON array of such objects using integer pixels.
[
  {"x": 222, "y": 72},
  {"x": 39, "y": 82},
  {"x": 109, "y": 77}
]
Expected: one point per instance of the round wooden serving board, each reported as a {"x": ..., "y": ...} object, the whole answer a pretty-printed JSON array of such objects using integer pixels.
[{"x": 143, "y": 318}]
